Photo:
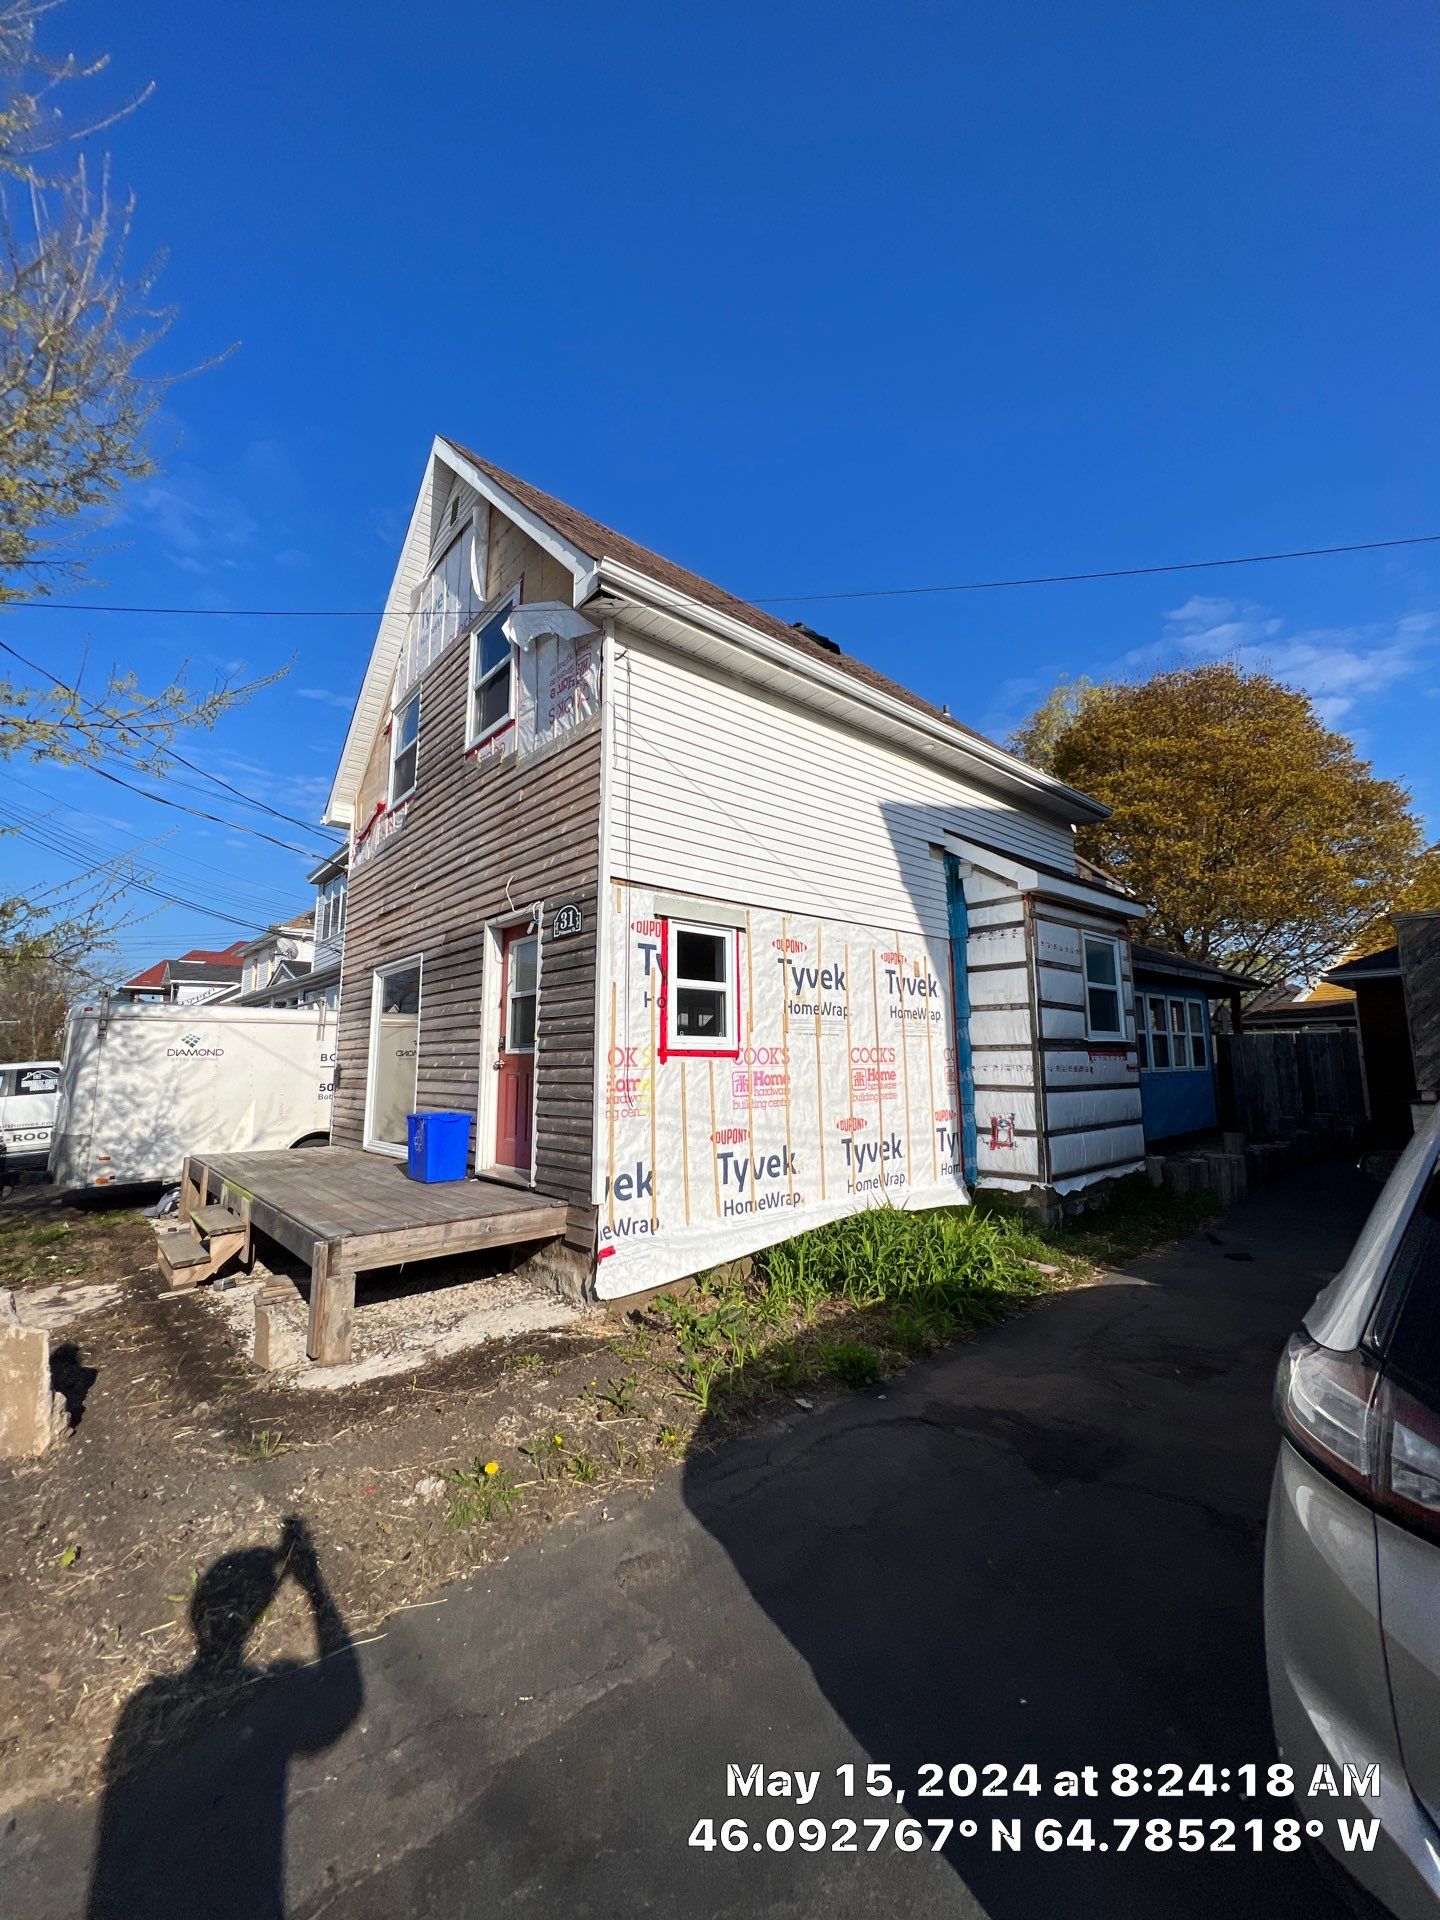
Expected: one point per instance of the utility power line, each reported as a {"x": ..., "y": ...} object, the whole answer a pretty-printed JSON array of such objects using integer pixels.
[
  {"x": 178, "y": 870},
  {"x": 47, "y": 605},
  {"x": 54, "y": 845},
  {"x": 172, "y": 753}
]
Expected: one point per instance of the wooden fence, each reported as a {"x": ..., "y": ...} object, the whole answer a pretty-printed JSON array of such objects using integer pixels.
[{"x": 1275, "y": 1084}]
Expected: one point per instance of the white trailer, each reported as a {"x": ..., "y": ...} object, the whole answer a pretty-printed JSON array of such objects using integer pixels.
[{"x": 140, "y": 1087}]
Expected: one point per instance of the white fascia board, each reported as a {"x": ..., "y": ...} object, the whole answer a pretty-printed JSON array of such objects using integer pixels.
[
  {"x": 366, "y": 715},
  {"x": 1045, "y": 886},
  {"x": 971, "y": 752},
  {"x": 581, "y": 564}
]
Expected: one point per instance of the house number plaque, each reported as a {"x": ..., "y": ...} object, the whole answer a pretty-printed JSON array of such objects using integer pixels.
[{"x": 568, "y": 922}]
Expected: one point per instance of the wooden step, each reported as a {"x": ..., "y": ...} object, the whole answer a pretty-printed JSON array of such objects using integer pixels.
[
  {"x": 184, "y": 1262},
  {"x": 216, "y": 1219},
  {"x": 181, "y": 1249}
]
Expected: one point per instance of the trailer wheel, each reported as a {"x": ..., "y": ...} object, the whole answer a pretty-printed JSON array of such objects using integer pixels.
[{"x": 311, "y": 1140}]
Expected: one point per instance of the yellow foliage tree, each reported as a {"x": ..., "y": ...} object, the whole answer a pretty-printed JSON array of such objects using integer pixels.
[{"x": 1257, "y": 835}]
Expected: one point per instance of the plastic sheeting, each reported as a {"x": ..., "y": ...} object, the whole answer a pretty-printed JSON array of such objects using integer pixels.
[
  {"x": 840, "y": 1091},
  {"x": 557, "y": 670}
]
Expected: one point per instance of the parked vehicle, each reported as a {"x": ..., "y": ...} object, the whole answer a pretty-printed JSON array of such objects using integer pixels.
[
  {"x": 1352, "y": 1552},
  {"x": 27, "y": 1113},
  {"x": 140, "y": 1087}
]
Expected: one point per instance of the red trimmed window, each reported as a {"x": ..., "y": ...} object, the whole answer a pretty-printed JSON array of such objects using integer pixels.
[{"x": 700, "y": 990}]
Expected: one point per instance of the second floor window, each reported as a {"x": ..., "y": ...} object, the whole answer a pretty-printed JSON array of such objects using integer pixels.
[
  {"x": 404, "y": 748},
  {"x": 492, "y": 701}
]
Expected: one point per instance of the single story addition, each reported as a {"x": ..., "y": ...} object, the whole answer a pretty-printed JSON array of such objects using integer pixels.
[{"x": 716, "y": 932}]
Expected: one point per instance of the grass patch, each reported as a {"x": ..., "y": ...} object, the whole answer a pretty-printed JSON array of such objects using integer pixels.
[
  {"x": 482, "y": 1492},
  {"x": 1132, "y": 1218},
  {"x": 848, "y": 1302},
  {"x": 265, "y": 1443}
]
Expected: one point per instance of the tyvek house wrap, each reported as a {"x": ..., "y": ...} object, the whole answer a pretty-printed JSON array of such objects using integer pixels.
[{"x": 842, "y": 1093}]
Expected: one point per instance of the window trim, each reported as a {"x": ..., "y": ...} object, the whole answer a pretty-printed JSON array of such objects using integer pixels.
[
  {"x": 1114, "y": 943},
  {"x": 410, "y": 700},
  {"x": 507, "y": 601},
  {"x": 678, "y": 1045},
  {"x": 1186, "y": 1036}
]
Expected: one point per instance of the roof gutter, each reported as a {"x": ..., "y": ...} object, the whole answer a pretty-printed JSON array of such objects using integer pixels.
[{"x": 1052, "y": 794}]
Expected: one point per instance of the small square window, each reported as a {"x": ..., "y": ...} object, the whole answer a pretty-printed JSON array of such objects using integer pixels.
[
  {"x": 1103, "y": 1007},
  {"x": 404, "y": 748},
  {"x": 701, "y": 1002}
]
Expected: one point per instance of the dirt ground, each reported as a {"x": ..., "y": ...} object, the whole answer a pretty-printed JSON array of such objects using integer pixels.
[{"x": 181, "y": 1451}]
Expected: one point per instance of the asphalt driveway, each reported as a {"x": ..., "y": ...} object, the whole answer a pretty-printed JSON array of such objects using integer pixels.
[{"x": 1044, "y": 1547}]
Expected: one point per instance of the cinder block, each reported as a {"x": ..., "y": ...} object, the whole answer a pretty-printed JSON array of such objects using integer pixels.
[
  {"x": 1155, "y": 1169},
  {"x": 1233, "y": 1142},
  {"x": 32, "y": 1414}
]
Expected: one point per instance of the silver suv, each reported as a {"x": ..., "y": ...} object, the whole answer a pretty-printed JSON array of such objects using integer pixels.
[{"x": 1352, "y": 1550}]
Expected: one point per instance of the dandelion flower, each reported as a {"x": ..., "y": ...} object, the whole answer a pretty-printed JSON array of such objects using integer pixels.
[
  {"x": 559, "y": 1439},
  {"x": 492, "y": 1466}
]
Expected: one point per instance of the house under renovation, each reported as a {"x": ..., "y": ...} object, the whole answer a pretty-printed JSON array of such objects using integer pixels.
[{"x": 716, "y": 932}]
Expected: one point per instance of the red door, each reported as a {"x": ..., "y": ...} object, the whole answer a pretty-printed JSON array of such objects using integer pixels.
[{"x": 515, "y": 1068}]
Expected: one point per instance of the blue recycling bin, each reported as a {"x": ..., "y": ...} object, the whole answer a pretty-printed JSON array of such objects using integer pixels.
[{"x": 439, "y": 1145}]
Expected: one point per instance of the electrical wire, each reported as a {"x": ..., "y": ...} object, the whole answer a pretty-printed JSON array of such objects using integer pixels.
[
  {"x": 47, "y": 605},
  {"x": 179, "y": 871},
  {"x": 55, "y": 847},
  {"x": 171, "y": 753}
]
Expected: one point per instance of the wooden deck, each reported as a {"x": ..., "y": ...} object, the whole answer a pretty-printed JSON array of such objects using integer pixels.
[{"x": 344, "y": 1210}]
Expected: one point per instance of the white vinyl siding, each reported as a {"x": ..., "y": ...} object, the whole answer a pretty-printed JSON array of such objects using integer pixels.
[{"x": 721, "y": 791}]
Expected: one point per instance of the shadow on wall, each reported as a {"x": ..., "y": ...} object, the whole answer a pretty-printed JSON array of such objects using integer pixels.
[
  {"x": 1044, "y": 1547},
  {"x": 193, "y": 1819}
]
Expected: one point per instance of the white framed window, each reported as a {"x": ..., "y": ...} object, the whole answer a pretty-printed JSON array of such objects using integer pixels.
[
  {"x": 1198, "y": 1024},
  {"x": 522, "y": 994},
  {"x": 404, "y": 748},
  {"x": 1104, "y": 1005},
  {"x": 492, "y": 676},
  {"x": 702, "y": 1012},
  {"x": 1171, "y": 1033}
]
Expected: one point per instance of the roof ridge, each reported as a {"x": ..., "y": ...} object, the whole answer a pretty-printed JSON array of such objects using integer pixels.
[{"x": 599, "y": 542}]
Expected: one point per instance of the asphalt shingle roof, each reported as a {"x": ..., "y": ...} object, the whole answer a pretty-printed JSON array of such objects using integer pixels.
[{"x": 601, "y": 542}]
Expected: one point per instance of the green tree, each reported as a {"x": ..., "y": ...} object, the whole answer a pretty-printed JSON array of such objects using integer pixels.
[
  {"x": 1035, "y": 739},
  {"x": 1258, "y": 837}
]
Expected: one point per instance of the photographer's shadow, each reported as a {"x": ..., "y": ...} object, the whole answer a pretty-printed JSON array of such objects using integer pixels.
[{"x": 193, "y": 1818}]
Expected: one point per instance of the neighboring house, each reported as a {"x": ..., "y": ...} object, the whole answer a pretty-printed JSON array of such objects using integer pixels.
[
  {"x": 1175, "y": 1039},
  {"x": 1397, "y": 1005},
  {"x": 275, "y": 966},
  {"x": 330, "y": 881},
  {"x": 194, "y": 976},
  {"x": 715, "y": 932}
]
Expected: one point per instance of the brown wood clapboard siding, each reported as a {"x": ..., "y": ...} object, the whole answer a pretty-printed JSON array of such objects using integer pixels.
[{"x": 482, "y": 840}]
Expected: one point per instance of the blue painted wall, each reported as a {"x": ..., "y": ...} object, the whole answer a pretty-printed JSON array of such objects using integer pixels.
[{"x": 1179, "y": 1100}]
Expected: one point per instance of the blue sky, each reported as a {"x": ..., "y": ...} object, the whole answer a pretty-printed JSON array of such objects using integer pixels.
[{"x": 810, "y": 299}]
